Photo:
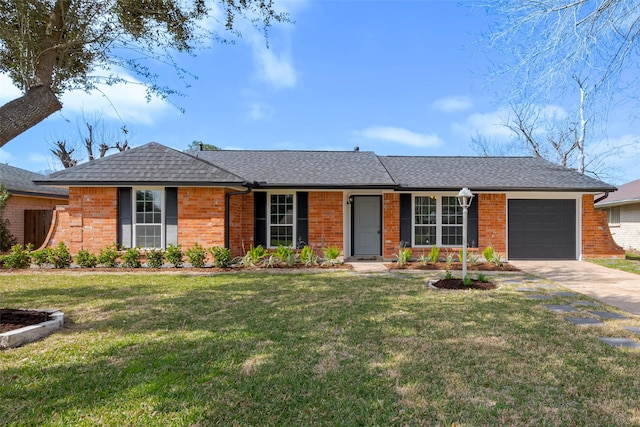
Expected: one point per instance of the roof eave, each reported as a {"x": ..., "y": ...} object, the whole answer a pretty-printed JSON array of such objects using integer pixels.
[
  {"x": 163, "y": 183},
  {"x": 38, "y": 194}
]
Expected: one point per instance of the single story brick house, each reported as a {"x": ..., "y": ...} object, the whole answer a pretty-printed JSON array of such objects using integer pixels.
[
  {"x": 30, "y": 208},
  {"x": 152, "y": 196},
  {"x": 623, "y": 212}
]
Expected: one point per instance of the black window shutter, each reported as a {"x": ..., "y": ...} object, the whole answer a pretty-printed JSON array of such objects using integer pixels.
[
  {"x": 472, "y": 224},
  {"x": 260, "y": 218},
  {"x": 125, "y": 218},
  {"x": 302, "y": 221},
  {"x": 171, "y": 215},
  {"x": 405, "y": 218}
]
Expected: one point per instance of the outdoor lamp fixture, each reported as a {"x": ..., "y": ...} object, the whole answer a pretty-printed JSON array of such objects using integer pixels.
[{"x": 464, "y": 198}]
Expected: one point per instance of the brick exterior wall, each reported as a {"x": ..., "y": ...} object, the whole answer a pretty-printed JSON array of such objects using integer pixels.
[
  {"x": 201, "y": 216},
  {"x": 241, "y": 224},
  {"x": 597, "y": 241},
  {"x": 390, "y": 224},
  {"x": 326, "y": 224},
  {"x": 627, "y": 232},
  {"x": 90, "y": 220},
  {"x": 492, "y": 221},
  {"x": 17, "y": 204}
]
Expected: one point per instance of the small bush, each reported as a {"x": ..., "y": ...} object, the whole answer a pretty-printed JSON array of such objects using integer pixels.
[
  {"x": 403, "y": 256},
  {"x": 221, "y": 256},
  {"x": 482, "y": 278},
  {"x": 86, "y": 259},
  {"x": 60, "y": 257},
  {"x": 472, "y": 257},
  {"x": 308, "y": 257},
  {"x": 487, "y": 253},
  {"x": 131, "y": 258},
  {"x": 155, "y": 258},
  {"x": 423, "y": 259},
  {"x": 467, "y": 281},
  {"x": 448, "y": 275},
  {"x": 434, "y": 254},
  {"x": 174, "y": 255},
  {"x": 17, "y": 257},
  {"x": 108, "y": 256},
  {"x": 196, "y": 255},
  {"x": 449, "y": 258},
  {"x": 41, "y": 256},
  {"x": 283, "y": 253},
  {"x": 253, "y": 256},
  {"x": 496, "y": 259},
  {"x": 331, "y": 255}
]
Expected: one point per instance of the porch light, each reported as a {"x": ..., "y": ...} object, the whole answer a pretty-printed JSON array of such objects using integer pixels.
[{"x": 464, "y": 198}]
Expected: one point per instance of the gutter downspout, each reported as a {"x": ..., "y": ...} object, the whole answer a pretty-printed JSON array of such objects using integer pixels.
[
  {"x": 601, "y": 198},
  {"x": 227, "y": 197}
]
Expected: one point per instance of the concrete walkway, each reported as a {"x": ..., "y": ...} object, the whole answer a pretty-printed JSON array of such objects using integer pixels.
[{"x": 617, "y": 288}]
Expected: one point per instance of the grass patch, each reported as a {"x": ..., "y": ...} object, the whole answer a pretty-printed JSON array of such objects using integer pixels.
[
  {"x": 631, "y": 263},
  {"x": 307, "y": 349}
]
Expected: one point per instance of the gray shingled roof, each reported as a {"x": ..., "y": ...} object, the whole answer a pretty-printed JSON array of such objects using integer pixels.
[
  {"x": 20, "y": 181},
  {"x": 627, "y": 193},
  {"x": 150, "y": 164},
  {"x": 156, "y": 164},
  {"x": 304, "y": 168},
  {"x": 487, "y": 173}
]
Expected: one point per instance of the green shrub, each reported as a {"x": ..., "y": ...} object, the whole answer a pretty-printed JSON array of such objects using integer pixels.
[
  {"x": 41, "y": 256},
  {"x": 108, "y": 256},
  {"x": 403, "y": 256},
  {"x": 60, "y": 257},
  {"x": 196, "y": 255},
  {"x": 283, "y": 253},
  {"x": 17, "y": 257},
  {"x": 331, "y": 255},
  {"x": 467, "y": 281},
  {"x": 155, "y": 258},
  {"x": 482, "y": 278},
  {"x": 86, "y": 259},
  {"x": 423, "y": 259},
  {"x": 174, "y": 255},
  {"x": 448, "y": 275},
  {"x": 449, "y": 258},
  {"x": 131, "y": 258},
  {"x": 253, "y": 256},
  {"x": 487, "y": 253},
  {"x": 434, "y": 254},
  {"x": 472, "y": 257},
  {"x": 308, "y": 257},
  {"x": 496, "y": 259},
  {"x": 221, "y": 256}
]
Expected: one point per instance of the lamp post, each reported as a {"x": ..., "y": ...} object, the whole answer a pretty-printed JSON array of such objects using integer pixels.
[{"x": 464, "y": 198}]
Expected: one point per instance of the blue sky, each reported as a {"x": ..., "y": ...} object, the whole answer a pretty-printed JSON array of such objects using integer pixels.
[{"x": 394, "y": 77}]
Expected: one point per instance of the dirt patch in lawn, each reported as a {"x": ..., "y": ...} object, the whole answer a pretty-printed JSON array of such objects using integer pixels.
[
  {"x": 458, "y": 284},
  {"x": 454, "y": 266},
  {"x": 11, "y": 318}
]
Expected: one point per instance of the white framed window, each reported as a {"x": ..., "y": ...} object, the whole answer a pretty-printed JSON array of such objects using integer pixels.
[
  {"x": 614, "y": 215},
  {"x": 281, "y": 219},
  {"x": 437, "y": 220},
  {"x": 148, "y": 214}
]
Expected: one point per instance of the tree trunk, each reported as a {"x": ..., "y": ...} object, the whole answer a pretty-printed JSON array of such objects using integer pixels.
[{"x": 27, "y": 111}]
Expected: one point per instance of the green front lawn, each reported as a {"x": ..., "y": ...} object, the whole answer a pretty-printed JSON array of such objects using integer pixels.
[
  {"x": 630, "y": 264},
  {"x": 307, "y": 349}
]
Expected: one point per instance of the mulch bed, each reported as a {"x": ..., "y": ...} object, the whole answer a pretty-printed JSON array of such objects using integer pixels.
[
  {"x": 455, "y": 266},
  {"x": 11, "y": 318},
  {"x": 457, "y": 284}
]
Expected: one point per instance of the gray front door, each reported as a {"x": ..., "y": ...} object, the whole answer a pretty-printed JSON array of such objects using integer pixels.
[{"x": 367, "y": 225}]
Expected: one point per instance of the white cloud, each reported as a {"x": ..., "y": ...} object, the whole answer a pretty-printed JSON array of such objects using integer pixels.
[
  {"x": 275, "y": 69},
  {"x": 401, "y": 136},
  {"x": 259, "y": 111},
  {"x": 8, "y": 91},
  {"x": 122, "y": 101},
  {"x": 453, "y": 104},
  {"x": 490, "y": 125}
]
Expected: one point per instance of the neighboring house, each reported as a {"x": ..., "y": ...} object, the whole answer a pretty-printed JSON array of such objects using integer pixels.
[
  {"x": 153, "y": 196},
  {"x": 30, "y": 208},
  {"x": 623, "y": 213}
]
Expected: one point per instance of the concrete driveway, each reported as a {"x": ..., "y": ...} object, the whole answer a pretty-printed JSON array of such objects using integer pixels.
[{"x": 614, "y": 287}]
